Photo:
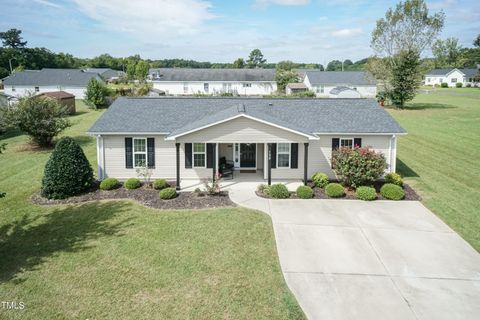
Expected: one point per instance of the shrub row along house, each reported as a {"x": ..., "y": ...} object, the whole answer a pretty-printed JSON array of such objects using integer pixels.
[
  {"x": 452, "y": 76},
  {"x": 180, "y": 81},
  {"x": 191, "y": 138}
]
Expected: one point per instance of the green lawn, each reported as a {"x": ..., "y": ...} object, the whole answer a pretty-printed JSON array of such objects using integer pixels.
[
  {"x": 440, "y": 156},
  {"x": 120, "y": 260}
]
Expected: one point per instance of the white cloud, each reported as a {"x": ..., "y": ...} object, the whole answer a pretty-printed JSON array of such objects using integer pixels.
[
  {"x": 47, "y": 3},
  {"x": 263, "y": 3},
  {"x": 346, "y": 33},
  {"x": 145, "y": 19}
]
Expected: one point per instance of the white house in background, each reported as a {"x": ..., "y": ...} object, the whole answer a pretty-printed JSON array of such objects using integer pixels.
[
  {"x": 336, "y": 84},
  {"x": 451, "y": 76},
  {"x": 107, "y": 74},
  {"x": 73, "y": 81},
  {"x": 182, "y": 81}
]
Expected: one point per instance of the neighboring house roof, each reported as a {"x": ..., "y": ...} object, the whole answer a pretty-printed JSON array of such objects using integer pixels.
[
  {"x": 51, "y": 77},
  {"x": 181, "y": 74},
  {"x": 339, "y": 77},
  {"x": 106, "y": 73},
  {"x": 468, "y": 72},
  {"x": 58, "y": 95},
  {"x": 300, "y": 85},
  {"x": 338, "y": 90},
  {"x": 177, "y": 116}
]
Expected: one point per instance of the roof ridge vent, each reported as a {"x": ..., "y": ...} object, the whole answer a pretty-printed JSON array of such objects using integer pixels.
[{"x": 241, "y": 108}]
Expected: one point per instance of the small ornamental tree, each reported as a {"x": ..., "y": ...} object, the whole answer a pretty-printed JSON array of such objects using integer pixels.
[
  {"x": 96, "y": 93},
  {"x": 41, "y": 118},
  {"x": 67, "y": 172},
  {"x": 358, "y": 166}
]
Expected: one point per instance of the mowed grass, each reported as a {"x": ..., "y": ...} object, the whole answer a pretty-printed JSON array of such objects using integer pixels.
[
  {"x": 120, "y": 260},
  {"x": 440, "y": 156}
]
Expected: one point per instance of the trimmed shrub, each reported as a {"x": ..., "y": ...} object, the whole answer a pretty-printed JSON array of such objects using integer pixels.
[
  {"x": 358, "y": 166},
  {"x": 304, "y": 192},
  {"x": 132, "y": 183},
  {"x": 109, "y": 184},
  {"x": 334, "y": 190},
  {"x": 458, "y": 84},
  {"x": 160, "y": 184},
  {"x": 444, "y": 85},
  {"x": 366, "y": 193},
  {"x": 394, "y": 178},
  {"x": 168, "y": 193},
  {"x": 469, "y": 85},
  {"x": 320, "y": 179},
  {"x": 278, "y": 191},
  {"x": 261, "y": 188},
  {"x": 67, "y": 172},
  {"x": 392, "y": 192}
]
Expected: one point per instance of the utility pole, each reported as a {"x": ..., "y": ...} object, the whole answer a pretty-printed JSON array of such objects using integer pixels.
[{"x": 10, "y": 63}]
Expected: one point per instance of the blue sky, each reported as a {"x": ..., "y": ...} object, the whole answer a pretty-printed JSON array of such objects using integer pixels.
[{"x": 214, "y": 30}]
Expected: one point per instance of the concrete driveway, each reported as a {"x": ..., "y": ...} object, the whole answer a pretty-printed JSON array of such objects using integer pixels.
[{"x": 374, "y": 260}]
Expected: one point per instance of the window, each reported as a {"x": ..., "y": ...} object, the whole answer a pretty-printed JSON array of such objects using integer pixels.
[
  {"x": 322, "y": 89},
  {"x": 199, "y": 155},
  {"x": 283, "y": 155},
  {"x": 428, "y": 79},
  {"x": 185, "y": 87},
  {"x": 454, "y": 80},
  {"x": 470, "y": 79},
  {"x": 13, "y": 89},
  {"x": 347, "y": 143},
  {"x": 205, "y": 87},
  {"x": 247, "y": 85},
  {"x": 37, "y": 89},
  {"x": 441, "y": 80},
  {"x": 139, "y": 152}
]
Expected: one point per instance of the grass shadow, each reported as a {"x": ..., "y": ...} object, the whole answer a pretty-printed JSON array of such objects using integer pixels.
[
  {"x": 427, "y": 106},
  {"x": 83, "y": 140},
  {"x": 404, "y": 170},
  {"x": 26, "y": 243},
  {"x": 10, "y": 133}
]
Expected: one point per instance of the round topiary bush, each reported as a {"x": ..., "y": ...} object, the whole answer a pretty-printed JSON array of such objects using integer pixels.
[
  {"x": 320, "y": 179},
  {"x": 160, "y": 184},
  {"x": 132, "y": 183},
  {"x": 392, "y": 192},
  {"x": 304, "y": 192},
  {"x": 109, "y": 184},
  {"x": 168, "y": 193},
  {"x": 67, "y": 172},
  {"x": 334, "y": 190},
  {"x": 278, "y": 191},
  {"x": 394, "y": 178},
  {"x": 366, "y": 193}
]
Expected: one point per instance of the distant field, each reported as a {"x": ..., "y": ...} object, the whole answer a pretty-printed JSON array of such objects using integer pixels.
[{"x": 440, "y": 156}]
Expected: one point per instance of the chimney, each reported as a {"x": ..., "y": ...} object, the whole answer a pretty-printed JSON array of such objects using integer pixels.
[{"x": 241, "y": 108}]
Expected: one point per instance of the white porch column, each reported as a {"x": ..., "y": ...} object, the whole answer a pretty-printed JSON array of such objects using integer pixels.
[
  {"x": 393, "y": 153},
  {"x": 100, "y": 158}
]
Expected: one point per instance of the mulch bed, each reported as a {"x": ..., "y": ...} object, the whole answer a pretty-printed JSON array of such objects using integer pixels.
[
  {"x": 148, "y": 197},
  {"x": 410, "y": 194}
]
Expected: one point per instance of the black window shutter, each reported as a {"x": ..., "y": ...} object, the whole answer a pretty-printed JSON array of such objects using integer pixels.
[
  {"x": 274, "y": 155},
  {"x": 188, "y": 155},
  {"x": 335, "y": 143},
  {"x": 210, "y": 154},
  {"x": 151, "y": 153},
  {"x": 357, "y": 142},
  {"x": 294, "y": 155},
  {"x": 128, "y": 153}
]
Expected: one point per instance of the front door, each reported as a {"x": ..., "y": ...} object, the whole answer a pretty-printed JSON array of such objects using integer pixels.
[{"x": 248, "y": 155}]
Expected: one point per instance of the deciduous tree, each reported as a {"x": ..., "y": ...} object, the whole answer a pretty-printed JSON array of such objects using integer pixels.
[
  {"x": 256, "y": 59},
  {"x": 96, "y": 94},
  {"x": 447, "y": 53},
  {"x": 12, "y": 39}
]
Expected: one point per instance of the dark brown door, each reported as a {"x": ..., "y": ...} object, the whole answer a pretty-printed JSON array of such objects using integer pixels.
[{"x": 248, "y": 155}]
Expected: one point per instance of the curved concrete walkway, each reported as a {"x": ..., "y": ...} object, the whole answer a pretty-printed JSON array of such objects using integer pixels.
[{"x": 349, "y": 259}]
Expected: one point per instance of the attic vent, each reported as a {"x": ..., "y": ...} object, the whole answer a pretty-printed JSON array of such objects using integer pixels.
[
  {"x": 241, "y": 107},
  {"x": 270, "y": 104}
]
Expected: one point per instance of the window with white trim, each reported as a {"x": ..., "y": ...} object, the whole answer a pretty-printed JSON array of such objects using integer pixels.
[
  {"x": 346, "y": 143},
  {"x": 453, "y": 80},
  {"x": 139, "y": 152},
  {"x": 205, "y": 87},
  {"x": 13, "y": 89},
  {"x": 185, "y": 87},
  {"x": 283, "y": 155},
  {"x": 247, "y": 85},
  {"x": 199, "y": 155},
  {"x": 37, "y": 89}
]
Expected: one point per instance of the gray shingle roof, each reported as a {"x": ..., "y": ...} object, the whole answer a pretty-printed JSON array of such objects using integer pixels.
[
  {"x": 345, "y": 78},
  {"x": 469, "y": 72},
  {"x": 51, "y": 77},
  {"x": 184, "y": 74},
  {"x": 179, "y": 115},
  {"x": 106, "y": 73}
]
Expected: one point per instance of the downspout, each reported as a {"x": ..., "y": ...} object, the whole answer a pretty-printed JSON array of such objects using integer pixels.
[{"x": 393, "y": 157}]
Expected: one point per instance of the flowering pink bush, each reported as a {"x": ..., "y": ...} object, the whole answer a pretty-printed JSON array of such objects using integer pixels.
[{"x": 212, "y": 187}]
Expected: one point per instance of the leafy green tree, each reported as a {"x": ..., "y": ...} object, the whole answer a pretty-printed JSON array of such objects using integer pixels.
[
  {"x": 256, "y": 59},
  {"x": 39, "y": 117},
  {"x": 286, "y": 65},
  {"x": 284, "y": 77},
  {"x": 334, "y": 65},
  {"x": 12, "y": 39},
  {"x": 67, "y": 172},
  {"x": 447, "y": 53},
  {"x": 131, "y": 69},
  {"x": 96, "y": 94},
  {"x": 141, "y": 70},
  {"x": 239, "y": 63},
  {"x": 476, "y": 42},
  {"x": 406, "y": 77}
]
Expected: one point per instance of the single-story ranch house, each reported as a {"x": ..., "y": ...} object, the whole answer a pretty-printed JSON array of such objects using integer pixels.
[
  {"x": 73, "y": 81},
  {"x": 339, "y": 84},
  {"x": 183, "y": 81},
  {"x": 107, "y": 74},
  {"x": 189, "y": 138},
  {"x": 452, "y": 76}
]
